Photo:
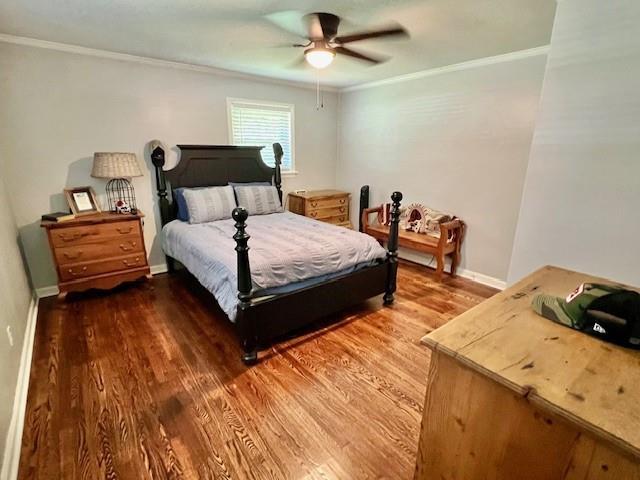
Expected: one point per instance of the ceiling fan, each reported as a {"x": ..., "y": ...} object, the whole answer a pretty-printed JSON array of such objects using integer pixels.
[{"x": 324, "y": 43}]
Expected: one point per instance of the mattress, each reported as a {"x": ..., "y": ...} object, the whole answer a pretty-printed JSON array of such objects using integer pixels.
[{"x": 287, "y": 252}]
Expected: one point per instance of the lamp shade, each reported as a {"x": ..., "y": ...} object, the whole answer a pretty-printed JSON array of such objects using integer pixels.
[{"x": 115, "y": 165}]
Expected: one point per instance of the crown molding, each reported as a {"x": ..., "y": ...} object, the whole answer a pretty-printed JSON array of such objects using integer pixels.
[
  {"x": 125, "y": 57},
  {"x": 481, "y": 62}
]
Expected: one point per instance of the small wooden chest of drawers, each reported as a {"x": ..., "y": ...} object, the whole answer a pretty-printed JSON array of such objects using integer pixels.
[
  {"x": 331, "y": 206},
  {"x": 97, "y": 251}
]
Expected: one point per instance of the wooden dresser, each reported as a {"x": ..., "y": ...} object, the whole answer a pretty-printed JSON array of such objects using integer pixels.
[
  {"x": 331, "y": 206},
  {"x": 97, "y": 251},
  {"x": 513, "y": 395}
]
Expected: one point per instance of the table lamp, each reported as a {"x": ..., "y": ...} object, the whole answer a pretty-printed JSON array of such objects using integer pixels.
[{"x": 118, "y": 168}]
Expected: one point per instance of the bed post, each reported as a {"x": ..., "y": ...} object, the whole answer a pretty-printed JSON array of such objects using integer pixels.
[
  {"x": 364, "y": 204},
  {"x": 277, "y": 176},
  {"x": 157, "y": 158},
  {"x": 392, "y": 249},
  {"x": 246, "y": 328}
]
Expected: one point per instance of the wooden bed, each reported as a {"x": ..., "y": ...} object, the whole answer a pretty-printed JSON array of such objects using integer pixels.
[{"x": 261, "y": 320}]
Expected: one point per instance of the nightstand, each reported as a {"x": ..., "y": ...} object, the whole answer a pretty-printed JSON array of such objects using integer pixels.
[
  {"x": 331, "y": 206},
  {"x": 97, "y": 251}
]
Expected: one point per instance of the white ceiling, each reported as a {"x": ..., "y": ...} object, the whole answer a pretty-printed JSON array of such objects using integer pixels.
[{"x": 242, "y": 35}]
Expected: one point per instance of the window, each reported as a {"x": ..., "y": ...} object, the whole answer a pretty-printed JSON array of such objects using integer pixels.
[{"x": 263, "y": 124}]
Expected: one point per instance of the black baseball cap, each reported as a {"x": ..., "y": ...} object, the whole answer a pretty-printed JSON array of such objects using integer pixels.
[{"x": 609, "y": 312}]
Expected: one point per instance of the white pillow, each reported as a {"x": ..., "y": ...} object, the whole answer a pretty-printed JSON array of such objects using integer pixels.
[
  {"x": 209, "y": 204},
  {"x": 259, "y": 199}
]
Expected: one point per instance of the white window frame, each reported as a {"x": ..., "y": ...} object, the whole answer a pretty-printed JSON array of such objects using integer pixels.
[{"x": 263, "y": 103}]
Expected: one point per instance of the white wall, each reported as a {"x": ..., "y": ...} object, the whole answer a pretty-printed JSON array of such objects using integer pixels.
[
  {"x": 457, "y": 141},
  {"x": 580, "y": 207},
  {"x": 58, "y": 108},
  {"x": 15, "y": 295}
]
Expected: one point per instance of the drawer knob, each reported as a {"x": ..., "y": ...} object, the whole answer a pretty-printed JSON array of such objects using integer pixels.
[
  {"x": 342, "y": 209},
  {"x": 341, "y": 219},
  {"x": 124, "y": 248},
  {"x": 124, "y": 231},
  {"x": 314, "y": 204},
  {"x": 72, "y": 238},
  {"x": 127, "y": 263},
  {"x": 342, "y": 200},
  {"x": 313, "y": 214},
  {"x": 70, "y": 256},
  {"x": 75, "y": 274}
]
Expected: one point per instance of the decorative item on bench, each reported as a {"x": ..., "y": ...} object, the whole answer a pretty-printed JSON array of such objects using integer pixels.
[
  {"x": 421, "y": 228},
  {"x": 412, "y": 218},
  {"x": 420, "y": 219},
  {"x": 118, "y": 168},
  {"x": 384, "y": 215}
]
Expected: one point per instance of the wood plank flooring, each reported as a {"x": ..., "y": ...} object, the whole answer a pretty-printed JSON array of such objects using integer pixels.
[{"x": 146, "y": 382}]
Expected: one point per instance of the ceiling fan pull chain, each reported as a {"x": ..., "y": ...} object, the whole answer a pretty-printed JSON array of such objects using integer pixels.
[
  {"x": 319, "y": 95},
  {"x": 317, "y": 90}
]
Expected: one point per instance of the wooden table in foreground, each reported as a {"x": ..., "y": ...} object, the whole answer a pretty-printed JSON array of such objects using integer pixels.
[{"x": 512, "y": 395}]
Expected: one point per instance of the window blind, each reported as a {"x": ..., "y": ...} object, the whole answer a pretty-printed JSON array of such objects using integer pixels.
[{"x": 263, "y": 125}]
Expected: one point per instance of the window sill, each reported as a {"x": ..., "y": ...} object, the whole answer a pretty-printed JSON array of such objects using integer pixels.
[{"x": 289, "y": 173}]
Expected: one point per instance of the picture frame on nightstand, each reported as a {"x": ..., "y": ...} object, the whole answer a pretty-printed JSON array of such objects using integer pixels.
[{"x": 82, "y": 200}]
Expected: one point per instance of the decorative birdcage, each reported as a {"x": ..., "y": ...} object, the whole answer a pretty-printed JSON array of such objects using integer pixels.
[{"x": 121, "y": 196}]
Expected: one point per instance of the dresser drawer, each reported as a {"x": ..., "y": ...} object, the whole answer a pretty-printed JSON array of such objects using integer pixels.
[
  {"x": 88, "y": 269},
  {"x": 63, "y": 237},
  {"x": 319, "y": 203},
  {"x": 321, "y": 213},
  {"x": 336, "y": 220},
  {"x": 113, "y": 247}
]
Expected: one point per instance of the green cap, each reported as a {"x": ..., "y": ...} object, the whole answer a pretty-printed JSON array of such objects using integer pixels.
[{"x": 611, "y": 312}]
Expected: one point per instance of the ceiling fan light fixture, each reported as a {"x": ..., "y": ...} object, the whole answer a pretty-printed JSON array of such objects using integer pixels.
[{"x": 319, "y": 57}]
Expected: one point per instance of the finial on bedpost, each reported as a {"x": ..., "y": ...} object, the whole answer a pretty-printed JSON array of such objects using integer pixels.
[
  {"x": 364, "y": 204},
  {"x": 245, "y": 326},
  {"x": 241, "y": 237},
  {"x": 392, "y": 249},
  {"x": 277, "y": 176},
  {"x": 157, "y": 158}
]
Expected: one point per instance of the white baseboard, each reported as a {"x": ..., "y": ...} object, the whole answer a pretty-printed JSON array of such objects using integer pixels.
[
  {"x": 428, "y": 261},
  {"x": 483, "y": 279},
  {"x": 11, "y": 459},
  {"x": 157, "y": 269},
  {"x": 52, "y": 290}
]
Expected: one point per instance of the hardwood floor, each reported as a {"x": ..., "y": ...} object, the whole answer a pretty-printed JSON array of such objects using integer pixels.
[{"x": 146, "y": 382}]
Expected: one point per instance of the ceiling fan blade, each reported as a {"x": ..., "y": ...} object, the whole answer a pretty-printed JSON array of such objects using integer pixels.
[
  {"x": 355, "y": 37},
  {"x": 322, "y": 26},
  {"x": 315, "y": 26},
  {"x": 352, "y": 53},
  {"x": 330, "y": 24},
  {"x": 289, "y": 45}
]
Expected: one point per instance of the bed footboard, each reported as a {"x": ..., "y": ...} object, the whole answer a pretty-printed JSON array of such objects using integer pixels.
[{"x": 259, "y": 321}]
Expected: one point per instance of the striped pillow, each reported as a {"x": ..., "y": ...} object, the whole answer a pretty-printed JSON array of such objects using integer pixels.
[
  {"x": 209, "y": 204},
  {"x": 258, "y": 199}
]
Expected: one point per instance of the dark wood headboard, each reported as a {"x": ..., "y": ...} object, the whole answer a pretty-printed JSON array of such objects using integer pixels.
[{"x": 212, "y": 165}]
